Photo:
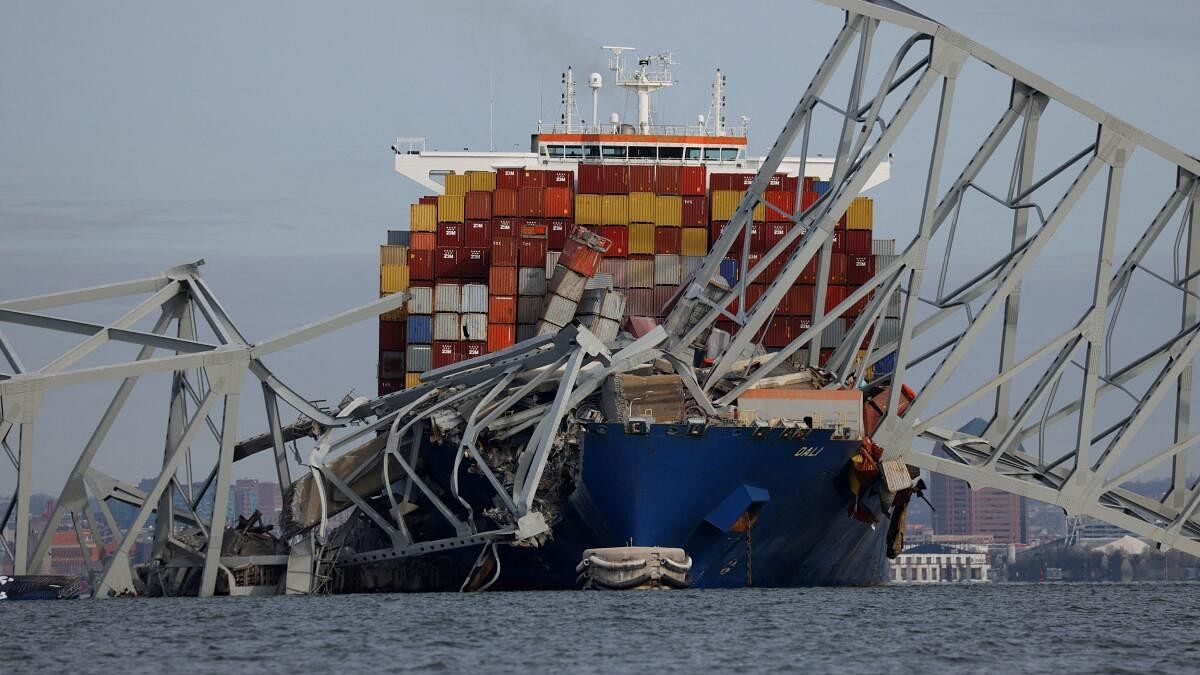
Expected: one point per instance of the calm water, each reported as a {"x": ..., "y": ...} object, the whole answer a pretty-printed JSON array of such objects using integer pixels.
[{"x": 1002, "y": 628}]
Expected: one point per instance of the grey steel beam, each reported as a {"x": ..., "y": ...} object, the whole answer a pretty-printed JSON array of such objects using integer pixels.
[
  {"x": 74, "y": 297},
  {"x": 90, "y": 329},
  {"x": 228, "y": 382},
  {"x": 1183, "y": 386}
]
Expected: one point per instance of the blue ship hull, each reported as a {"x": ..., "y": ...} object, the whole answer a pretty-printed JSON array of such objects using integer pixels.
[{"x": 750, "y": 510}]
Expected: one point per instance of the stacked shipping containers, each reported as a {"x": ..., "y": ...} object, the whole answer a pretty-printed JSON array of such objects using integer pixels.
[{"x": 484, "y": 262}]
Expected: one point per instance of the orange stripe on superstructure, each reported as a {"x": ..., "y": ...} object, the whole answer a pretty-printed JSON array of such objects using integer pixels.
[
  {"x": 807, "y": 394},
  {"x": 641, "y": 138}
]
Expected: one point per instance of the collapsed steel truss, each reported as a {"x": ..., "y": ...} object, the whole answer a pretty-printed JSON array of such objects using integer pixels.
[{"x": 1082, "y": 476}]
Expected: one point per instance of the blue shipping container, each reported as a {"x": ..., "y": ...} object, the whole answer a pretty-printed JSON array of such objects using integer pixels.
[
  {"x": 821, "y": 186},
  {"x": 885, "y": 365},
  {"x": 729, "y": 270},
  {"x": 420, "y": 329}
]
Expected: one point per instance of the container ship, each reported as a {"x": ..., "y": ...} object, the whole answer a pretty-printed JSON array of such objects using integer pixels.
[{"x": 597, "y": 226}]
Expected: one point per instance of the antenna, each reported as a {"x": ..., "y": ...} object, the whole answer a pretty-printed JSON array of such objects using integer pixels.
[
  {"x": 491, "y": 111},
  {"x": 595, "y": 82},
  {"x": 653, "y": 73},
  {"x": 570, "y": 112},
  {"x": 716, "y": 109}
]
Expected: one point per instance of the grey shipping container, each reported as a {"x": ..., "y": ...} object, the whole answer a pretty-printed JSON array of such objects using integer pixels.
[
  {"x": 605, "y": 329},
  {"x": 895, "y": 306},
  {"x": 447, "y": 298},
  {"x": 559, "y": 310},
  {"x": 474, "y": 327},
  {"x": 446, "y": 326},
  {"x": 883, "y": 246},
  {"x": 834, "y": 333},
  {"x": 551, "y": 261},
  {"x": 475, "y": 298},
  {"x": 546, "y": 328},
  {"x": 591, "y": 301},
  {"x": 391, "y": 364},
  {"x": 889, "y": 331},
  {"x": 529, "y": 309},
  {"x": 613, "y": 306},
  {"x": 526, "y": 331},
  {"x": 601, "y": 280},
  {"x": 420, "y": 300},
  {"x": 399, "y": 237},
  {"x": 531, "y": 281},
  {"x": 689, "y": 264},
  {"x": 615, "y": 267},
  {"x": 419, "y": 358},
  {"x": 568, "y": 283},
  {"x": 666, "y": 270},
  {"x": 640, "y": 273}
]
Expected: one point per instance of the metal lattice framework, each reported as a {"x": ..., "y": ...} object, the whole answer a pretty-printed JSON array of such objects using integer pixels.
[
  {"x": 207, "y": 376},
  {"x": 1090, "y": 461}
]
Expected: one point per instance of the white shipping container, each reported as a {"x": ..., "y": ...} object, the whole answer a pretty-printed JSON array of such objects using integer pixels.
[
  {"x": 546, "y": 328},
  {"x": 600, "y": 281},
  {"x": 419, "y": 358},
  {"x": 605, "y": 329},
  {"x": 834, "y": 334},
  {"x": 475, "y": 298},
  {"x": 446, "y": 326},
  {"x": 559, "y": 310},
  {"x": 666, "y": 270},
  {"x": 889, "y": 331},
  {"x": 689, "y": 264},
  {"x": 883, "y": 247},
  {"x": 895, "y": 306},
  {"x": 640, "y": 273},
  {"x": 531, "y": 281},
  {"x": 474, "y": 327},
  {"x": 529, "y": 309},
  {"x": 568, "y": 283},
  {"x": 613, "y": 306},
  {"x": 447, "y": 298},
  {"x": 551, "y": 261},
  {"x": 420, "y": 301}
]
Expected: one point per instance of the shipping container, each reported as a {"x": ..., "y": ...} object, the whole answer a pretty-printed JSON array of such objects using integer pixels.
[
  {"x": 474, "y": 326},
  {"x": 446, "y": 353},
  {"x": 895, "y": 306},
  {"x": 837, "y": 268},
  {"x": 858, "y": 242},
  {"x": 729, "y": 271},
  {"x": 592, "y": 301},
  {"x": 666, "y": 270},
  {"x": 423, "y": 217},
  {"x": 619, "y": 236},
  {"x": 616, "y": 180},
  {"x": 785, "y": 202},
  {"x": 556, "y": 232},
  {"x": 504, "y": 252},
  {"x": 456, "y": 185},
  {"x": 859, "y": 269},
  {"x": 420, "y": 265},
  {"x": 833, "y": 334},
  {"x": 398, "y": 237},
  {"x": 474, "y": 349},
  {"x": 693, "y": 180},
  {"x": 724, "y": 203},
  {"x": 781, "y": 331},
  {"x": 535, "y": 178},
  {"x": 478, "y": 206},
  {"x": 390, "y": 254},
  {"x": 667, "y": 179},
  {"x": 591, "y": 180},
  {"x": 613, "y": 306},
  {"x": 606, "y": 330},
  {"x": 614, "y": 210},
  {"x": 641, "y": 207},
  {"x": 502, "y": 280},
  {"x": 551, "y": 262},
  {"x": 641, "y": 239},
  {"x": 809, "y": 274},
  {"x": 615, "y": 269},
  {"x": 390, "y": 385},
  {"x": 667, "y": 239},
  {"x": 450, "y": 234},
  {"x": 504, "y": 204},
  {"x": 393, "y": 278},
  {"x": 689, "y": 264},
  {"x": 473, "y": 263},
  {"x": 668, "y": 211},
  {"x": 424, "y": 241},
  {"x": 588, "y": 209},
  {"x": 560, "y": 178},
  {"x": 530, "y": 202},
  {"x": 446, "y": 326},
  {"x": 546, "y": 328},
  {"x": 529, "y": 308},
  {"x": 532, "y": 252},
  {"x": 480, "y": 181},
  {"x": 889, "y": 331},
  {"x": 445, "y": 262},
  {"x": 526, "y": 331},
  {"x": 600, "y": 280},
  {"x": 420, "y": 300},
  {"x": 641, "y": 178},
  {"x": 450, "y": 208},
  {"x": 693, "y": 241},
  {"x": 558, "y": 310},
  {"x": 834, "y": 296},
  {"x": 580, "y": 258},
  {"x": 861, "y": 214},
  {"x": 392, "y": 335},
  {"x": 693, "y": 211},
  {"x": 477, "y": 233},
  {"x": 883, "y": 247},
  {"x": 567, "y": 283},
  {"x": 500, "y": 336},
  {"x": 773, "y": 233},
  {"x": 640, "y": 272},
  {"x": 418, "y": 331},
  {"x": 640, "y": 301},
  {"x": 418, "y": 358},
  {"x": 502, "y": 309},
  {"x": 531, "y": 281},
  {"x": 447, "y": 298},
  {"x": 506, "y": 228},
  {"x": 508, "y": 179},
  {"x": 662, "y": 298},
  {"x": 474, "y": 298}
]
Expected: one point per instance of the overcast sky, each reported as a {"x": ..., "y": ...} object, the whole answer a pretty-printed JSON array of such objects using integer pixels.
[{"x": 136, "y": 136}]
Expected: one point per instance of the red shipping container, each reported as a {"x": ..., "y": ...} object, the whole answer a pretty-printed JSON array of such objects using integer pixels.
[
  {"x": 529, "y": 202},
  {"x": 858, "y": 242},
  {"x": 504, "y": 203},
  {"x": 714, "y": 233},
  {"x": 558, "y": 202},
  {"x": 775, "y": 182},
  {"x": 477, "y": 233},
  {"x": 616, "y": 179},
  {"x": 640, "y": 302},
  {"x": 532, "y": 252},
  {"x": 556, "y": 232},
  {"x": 502, "y": 280},
  {"x": 422, "y": 241},
  {"x": 619, "y": 236},
  {"x": 505, "y": 228},
  {"x": 504, "y": 252},
  {"x": 534, "y": 228},
  {"x": 826, "y": 354},
  {"x": 784, "y": 201},
  {"x": 478, "y": 205},
  {"x": 502, "y": 309},
  {"x": 753, "y": 293},
  {"x": 789, "y": 184},
  {"x": 695, "y": 212},
  {"x": 501, "y": 335},
  {"x": 667, "y": 179},
  {"x": 808, "y": 198},
  {"x": 445, "y": 262},
  {"x": 508, "y": 179},
  {"x": 533, "y": 178},
  {"x": 858, "y": 308},
  {"x": 420, "y": 265},
  {"x": 591, "y": 179},
  {"x": 473, "y": 349},
  {"x": 446, "y": 353},
  {"x": 774, "y": 233},
  {"x": 859, "y": 269},
  {"x": 662, "y": 299},
  {"x": 390, "y": 385},
  {"x": 834, "y": 295},
  {"x": 839, "y": 239},
  {"x": 740, "y": 181},
  {"x": 580, "y": 258},
  {"x": 473, "y": 263},
  {"x": 392, "y": 335},
  {"x": 773, "y": 269},
  {"x": 449, "y": 234},
  {"x": 809, "y": 274},
  {"x": 758, "y": 237},
  {"x": 837, "y": 269},
  {"x": 641, "y": 178},
  {"x": 693, "y": 180},
  {"x": 428, "y": 199},
  {"x": 718, "y": 181},
  {"x": 560, "y": 179},
  {"x": 668, "y": 240},
  {"x": 781, "y": 331}
]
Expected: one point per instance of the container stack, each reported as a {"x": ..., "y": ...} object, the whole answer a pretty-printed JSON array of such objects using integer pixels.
[
  {"x": 393, "y": 278},
  {"x": 578, "y": 262}
]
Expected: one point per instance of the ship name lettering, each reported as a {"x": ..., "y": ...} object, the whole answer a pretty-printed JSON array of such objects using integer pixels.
[{"x": 808, "y": 451}]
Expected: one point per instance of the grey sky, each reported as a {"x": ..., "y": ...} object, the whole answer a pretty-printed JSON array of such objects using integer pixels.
[{"x": 139, "y": 135}]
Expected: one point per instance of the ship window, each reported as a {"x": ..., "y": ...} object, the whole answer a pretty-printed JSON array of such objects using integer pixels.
[
  {"x": 556, "y": 151},
  {"x": 729, "y": 154},
  {"x": 614, "y": 151},
  {"x": 692, "y": 153},
  {"x": 670, "y": 152},
  {"x": 712, "y": 154},
  {"x": 643, "y": 152},
  {"x": 591, "y": 151},
  {"x": 573, "y": 151}
]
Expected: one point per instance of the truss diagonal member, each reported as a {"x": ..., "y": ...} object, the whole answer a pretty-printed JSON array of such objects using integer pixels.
[
  {"x": 90, "y": 294},
  {"x": 226, "y": 380},
  {"x": 167, "y": 294},
  {"x": 90, "y": 329},
  {"x": 335, "y": 322},
  {"x": 10, "y": 354}
]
